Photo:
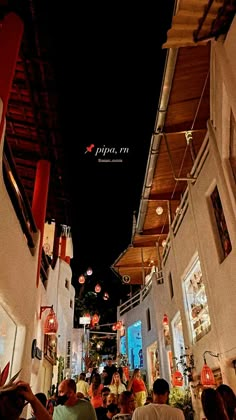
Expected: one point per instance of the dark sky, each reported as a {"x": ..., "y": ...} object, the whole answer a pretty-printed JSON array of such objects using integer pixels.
[{"x": 109, "y": 66}]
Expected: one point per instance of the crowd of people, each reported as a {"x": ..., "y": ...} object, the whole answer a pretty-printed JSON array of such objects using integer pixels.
[{"x": 109, "y": 395}]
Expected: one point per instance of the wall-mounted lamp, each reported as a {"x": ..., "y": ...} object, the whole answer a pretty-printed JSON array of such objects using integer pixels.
[
  {"x": 51, "y": 323},
  {"x": 207, "y": 376}
]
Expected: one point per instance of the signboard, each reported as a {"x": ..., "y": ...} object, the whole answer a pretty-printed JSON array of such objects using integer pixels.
[{"x": 85, "y": 320}]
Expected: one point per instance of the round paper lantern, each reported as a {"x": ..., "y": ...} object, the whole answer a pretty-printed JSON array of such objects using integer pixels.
[
  {"x": 81, "y": 279},
  {"x": 97, "y": 288},
  {"x": 89, "y": 271}
]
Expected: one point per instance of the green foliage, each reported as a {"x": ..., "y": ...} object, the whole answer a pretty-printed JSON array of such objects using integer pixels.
[{"x": 181, "y": 398}]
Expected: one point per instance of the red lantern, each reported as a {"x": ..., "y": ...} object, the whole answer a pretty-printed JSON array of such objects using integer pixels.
[
  {"x": 207, "y": 376},
  {"x": 118, "y": 325},
  {"x": 177, "y": 378},
  {"x": 114, "y": 327},
  {"x": 51, "y": 323},
  {"x": 95, "y": 319},
  {"x": 165, "y": 320}
]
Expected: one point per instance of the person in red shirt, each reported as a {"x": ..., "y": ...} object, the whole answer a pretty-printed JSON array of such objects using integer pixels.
[{"x": 137, "y": 386}]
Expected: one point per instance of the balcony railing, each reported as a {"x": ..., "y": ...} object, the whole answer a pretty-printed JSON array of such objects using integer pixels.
[{"x": 139, "y": 297}]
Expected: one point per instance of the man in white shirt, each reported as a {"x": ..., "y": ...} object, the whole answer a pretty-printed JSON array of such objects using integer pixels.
[{"x": 159, "y": 409}]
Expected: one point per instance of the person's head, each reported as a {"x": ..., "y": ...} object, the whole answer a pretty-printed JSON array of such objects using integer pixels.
[
  {"x": 111, "y": 398},
  {"x": 42, "y": 398},
  {"x": 126, "y": 402},
  {"x": 115, "y": 378},
  {"x": 67, "y": 392},
  {"x": 105, "y": 392},
  {"x": 161, "y": 391},
  {"x": 11, "y": 405},
  {"x": 213, "y": 405},
  {"x": 82, "y": 376},
  {"x": 137, "y": 373},
  {"x": 96, "y": 380},
  {"x": 109, "y": 361},
  {"x": 229, "y": 399},
  {"x": 112, "y": 409}
]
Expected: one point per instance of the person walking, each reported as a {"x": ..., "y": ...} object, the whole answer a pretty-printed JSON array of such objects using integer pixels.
[
  {"x": 82, "y": 386},
  {"x": 108, "y": 371},
  {"x": 229, "y": 399},
  {"x": 159, "y": 408},
  {"x": 116, "y": 386},
  {"x": 213, "y": 405},
  {"x": 126, "y": 404},
  {"x": 137, "y": 385},
  {"x": 95, "y": 391},
  {"x": 69, "y": 406}
]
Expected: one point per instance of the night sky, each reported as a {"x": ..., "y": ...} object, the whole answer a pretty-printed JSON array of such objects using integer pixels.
[{"x": 109, "y": 66}]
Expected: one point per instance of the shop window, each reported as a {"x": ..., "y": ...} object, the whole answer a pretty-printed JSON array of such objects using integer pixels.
[
  {"x": 223, "y": 234},
  {"x": 135, "y": 354},
  {"x": 196, "y": 302}
]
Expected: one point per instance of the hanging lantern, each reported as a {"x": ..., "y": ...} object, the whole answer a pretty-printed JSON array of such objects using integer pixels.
[
  {"x": 114, "y": 327},
  {"x": 89, "y": 271},
  {"x": 177, "y": 378},
  {"x": 51, "y": 323},
  {"x": 95, "y": 319},
  {"x": 118, "y": 325},
  {"x": 81, "y": 279},
  {"x": 105, "y": 296},
  {"x": 207, "y": 376},
  {"x": 165, "y": 320},
  {"x": 97, "y": 288}
]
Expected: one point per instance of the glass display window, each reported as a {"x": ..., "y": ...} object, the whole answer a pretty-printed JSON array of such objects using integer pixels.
[{"x": 196, "y": 302}]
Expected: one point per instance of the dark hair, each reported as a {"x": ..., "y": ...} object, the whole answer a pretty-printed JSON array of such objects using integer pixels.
[
  {"x": 71, "y": 384},
  {"x": 229, "y": 399},
  {"x": 42, "y": 398},
  {"x": 124, "y": 397},
  {"x": 160, "y": 386},
  {"x": 105, "y": 389},
  {"x": 82, "y": 376},
  {"x": 213, "y": 405},
  {"x": 113, "y": 408}
]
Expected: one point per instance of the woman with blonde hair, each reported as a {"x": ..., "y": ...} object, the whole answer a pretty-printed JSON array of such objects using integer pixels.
[
  {"x": 116, "y": 386},
  {"x": 137, "y": 386}
]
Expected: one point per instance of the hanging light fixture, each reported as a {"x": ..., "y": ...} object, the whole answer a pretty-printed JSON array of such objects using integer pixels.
[
  {"x": 50, "y": 323},
  {"x": 207, "y": 376},
  {"x": 177, "y": 378},
  {"x": 81, "y": 279},
  {"x": 89, "y": 271},
  {"x": 159, "y": 210},
  {"x": 97, "y": 288},
  {"x": 106, "y": 296},
  {"x": 165, "y": 320}
]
